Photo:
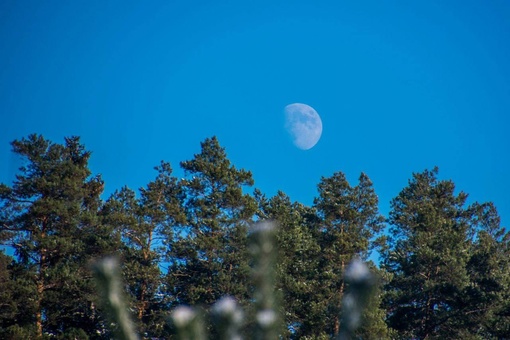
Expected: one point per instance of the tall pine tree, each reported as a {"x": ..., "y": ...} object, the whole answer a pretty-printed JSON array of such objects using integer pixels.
[
  {"x": 485, "y": 302},
  {"x": 143, "y": 222},
  {"x": 297, "y": 263},
  {"x": 349, "y": 221},
  {"x": 428, "y": 255},
  {"x": 8, "y": 301},
  {"x": 208, "y": 253},
  {"x": 50, "y": 212}
]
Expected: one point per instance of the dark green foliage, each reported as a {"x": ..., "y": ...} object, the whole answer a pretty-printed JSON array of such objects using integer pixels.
[
  {"x": 485, "y": 301},
  {"x": 8, "y": 305},
  {"x": 142, "y": 222},
  {"x": 449, "y": 263},
  {"x": 263, "y": 250},
  {"x": 427, "y": 257},
  {"x": 139, "y": 259},
  {"x": 373, "y": 321},
  {"x": 50, "y": 213},
  {"x": 18, "y": 320},
  {"x": 109, "y": 285},
  {"x": 445, "y": 270},
  {"x": 349, "y": 221},
  {"x": 208, "y": 253},
  {"x": 297, "y": 264}
]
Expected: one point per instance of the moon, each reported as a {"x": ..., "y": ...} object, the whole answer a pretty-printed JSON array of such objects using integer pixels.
[{"x": 303, "y": 124}]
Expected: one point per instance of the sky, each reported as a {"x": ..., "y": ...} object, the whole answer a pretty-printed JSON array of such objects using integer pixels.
[{"x": 400, "y": 86}]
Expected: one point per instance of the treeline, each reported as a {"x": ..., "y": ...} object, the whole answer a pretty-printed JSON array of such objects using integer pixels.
[{"x": 444, "y": 270}]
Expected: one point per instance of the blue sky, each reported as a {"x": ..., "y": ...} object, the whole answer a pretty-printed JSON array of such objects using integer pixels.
[{"x": 401, "y": 86}]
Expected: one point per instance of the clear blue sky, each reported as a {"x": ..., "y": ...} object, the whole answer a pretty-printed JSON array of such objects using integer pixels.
[{"x": 400, "y": 86}]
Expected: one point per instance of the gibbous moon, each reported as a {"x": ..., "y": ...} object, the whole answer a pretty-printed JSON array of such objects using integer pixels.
[{"x": 303, "y": 124}]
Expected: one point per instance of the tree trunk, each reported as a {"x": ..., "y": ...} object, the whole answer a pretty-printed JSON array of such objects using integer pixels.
[
  {"x": 38, "y": 319},
  {"x": 40, "y": 282},
  {"x": 340, "y": 296},
  {"x": 142, "y": 306},
  {"x": 40, "y": 292}
]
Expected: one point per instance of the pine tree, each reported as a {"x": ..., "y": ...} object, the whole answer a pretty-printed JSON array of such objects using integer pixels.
[
  {"x": 139, "y": 260},
  {"x": 349, "y": 221},
  {"x": 208, "y": 253},
  {"x": 18, "y": 321},
  {"x": 297, "y": 263},
  {"x": 50, "y": 212},
  {"x": 427, "y": 258},
  {"x": 373, "y": 325},
  {"x": 8, "y": 303},
  {"x": 484, "y": 304},
  {"x": 142, "y": 222}
]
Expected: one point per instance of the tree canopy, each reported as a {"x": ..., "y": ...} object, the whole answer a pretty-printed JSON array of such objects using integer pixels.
[{"x": 444, "y": 270}]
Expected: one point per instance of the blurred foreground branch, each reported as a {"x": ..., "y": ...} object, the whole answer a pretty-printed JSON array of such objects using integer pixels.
[
  {"x": 226, "y": 315},
  {"x": 108, "y": 279}
]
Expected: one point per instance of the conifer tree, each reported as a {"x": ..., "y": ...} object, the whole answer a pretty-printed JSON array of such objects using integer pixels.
[
  {"x": 349, "y": 220},
  {"x": 142, "y": 222},
  {"x": 139, "y": 260},
  {"x": 373, "y": 324},
  {"x": 484, "y": 304},
  {"x": 18, "y": 319},
  {"x": 297, "y": 264},
  {"x": 427, "y": 258},
  {"x": 208, "y": 253},
  {"x": 50, "y": 212},
  {"x": 8, "y": 303}
]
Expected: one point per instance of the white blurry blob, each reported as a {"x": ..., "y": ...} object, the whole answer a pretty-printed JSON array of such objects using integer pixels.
[
  {"x": 266, "y": 318},
  {"x": 357, "y": 271},
  {"x": 228, "y": 307},
  {"x": 182, "y": 316},
  {"x": 303, "y": 124}
]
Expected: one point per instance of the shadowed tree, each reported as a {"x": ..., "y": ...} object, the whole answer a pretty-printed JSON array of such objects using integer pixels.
[
  {"x": 143, "y": 222},
  {"x": 297, "y": 262},
  {"x": 484, "y": 304},
  {"x": 50, "y": 212},
  {"x": 349, "y": 221},
  {"x": 208, "y": 254},
  {"x": 433, "y": 262},
  {"x": 8, "y": 301}
]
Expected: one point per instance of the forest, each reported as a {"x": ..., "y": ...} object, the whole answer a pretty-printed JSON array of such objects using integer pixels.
[{"x": 444, "y": 269}]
